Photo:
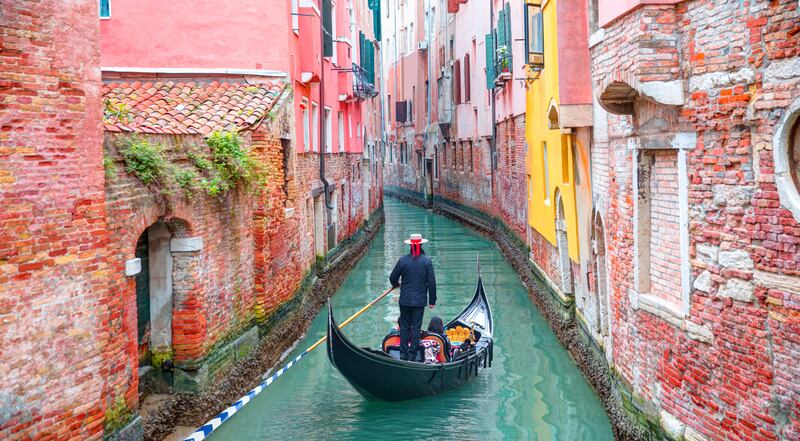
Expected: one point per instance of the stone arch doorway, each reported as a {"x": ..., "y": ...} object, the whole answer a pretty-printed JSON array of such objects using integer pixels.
[
  {"x": 154, "y": 295},
  {"x": 601, "y": 275},
  {"x": 562, "y": 243}
]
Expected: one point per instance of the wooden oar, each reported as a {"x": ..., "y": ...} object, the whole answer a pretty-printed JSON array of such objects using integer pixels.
[
  {"x": 352, "y": 317},
  {"x": 203, "y": 431}
]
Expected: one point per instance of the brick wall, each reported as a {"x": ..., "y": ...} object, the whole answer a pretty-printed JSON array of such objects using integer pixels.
[
  {"x": 665, "y": 257},
  {"x": 58, "y": 276},
  {"x": 724, "y": 369}
]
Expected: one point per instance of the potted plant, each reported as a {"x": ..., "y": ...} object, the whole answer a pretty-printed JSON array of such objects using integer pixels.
[{"x": 502, "y": 58}]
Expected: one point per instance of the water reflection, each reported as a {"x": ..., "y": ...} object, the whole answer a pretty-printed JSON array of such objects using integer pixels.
[{"x": 533, "y": 391}]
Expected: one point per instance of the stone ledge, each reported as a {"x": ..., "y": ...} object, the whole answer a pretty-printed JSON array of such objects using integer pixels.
[
  {"x": 185, "y": 244},
  {"x": 666, "y": 311}
]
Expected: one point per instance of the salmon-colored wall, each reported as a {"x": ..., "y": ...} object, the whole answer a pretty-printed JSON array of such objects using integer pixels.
[
  {"x": 610, "y": 10},
  {"x": 196, "y": 34},
  {"x": 574, "y": 79}
]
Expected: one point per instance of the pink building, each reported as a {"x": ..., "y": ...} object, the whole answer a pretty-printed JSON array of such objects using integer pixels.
[
  {"x": 457, "y": 126},
  {"x": 151, "y": 39}
]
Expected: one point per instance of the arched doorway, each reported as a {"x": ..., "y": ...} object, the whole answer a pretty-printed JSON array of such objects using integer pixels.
[
  {"x": 564, "y": 266},
  {"x": 154, "y": 294}
]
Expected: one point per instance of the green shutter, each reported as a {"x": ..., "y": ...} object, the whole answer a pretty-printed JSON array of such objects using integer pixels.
[
  {"x": 327, "y": 23},
  {"x": 489, "y": 62},
  {"x": 361, "y": 49},
  {"x": 368, "y": 61},
  {"x": 501, "y": 29},
  {"x": 509, "y": 40},
  {"x": 376, "y": 21}
]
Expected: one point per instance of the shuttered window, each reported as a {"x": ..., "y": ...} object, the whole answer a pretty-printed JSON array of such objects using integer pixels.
[
  {"x": 327, "y": 23},
  {"x": 490, "y": 72},
  {"x": 457, "y": 82},
  {"x": 400, "y": 108},
  {"x": 466, "y": 78},
  {"x": 509, "y": 40}
]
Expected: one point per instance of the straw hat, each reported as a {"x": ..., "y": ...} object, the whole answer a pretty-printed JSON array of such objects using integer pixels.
[{"x": 415, "y": 239}]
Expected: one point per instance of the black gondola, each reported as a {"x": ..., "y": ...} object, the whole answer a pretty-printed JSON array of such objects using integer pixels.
[{"x": 376, "y": 375}]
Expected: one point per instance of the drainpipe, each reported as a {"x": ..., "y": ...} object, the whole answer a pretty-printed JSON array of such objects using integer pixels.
[
  {"x": 493, "y": 140},
  {"x": 325, "y": 183}
]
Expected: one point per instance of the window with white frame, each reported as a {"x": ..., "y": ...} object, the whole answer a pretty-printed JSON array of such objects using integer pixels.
[
  {"x": 105, "y": 8},
  {"x": 334, "y": 58},
  {"x": 545, "y": 173},
  {"x": 340, "y": 129},
  {"x": 306, "y": 126},
  {"x": 315, "y": 126},
  {"x": 295, "y": 17},
  {"x": 328, "y": 131}
]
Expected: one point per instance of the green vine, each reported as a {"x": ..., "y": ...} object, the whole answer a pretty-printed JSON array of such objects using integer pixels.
[
  {"x": 146, "y": 161},
  {"x": 226, "y": 166},
  {"x": 109, "y": 167}
]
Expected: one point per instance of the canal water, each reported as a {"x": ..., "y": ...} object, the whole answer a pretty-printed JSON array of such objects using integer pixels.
[{"x": 533, "y": 391}]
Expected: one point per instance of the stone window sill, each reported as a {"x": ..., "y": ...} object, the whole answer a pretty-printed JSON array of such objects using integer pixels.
[{"x": 670, "y": 313}]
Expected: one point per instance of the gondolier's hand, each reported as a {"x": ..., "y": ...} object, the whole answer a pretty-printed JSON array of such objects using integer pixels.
[{"x": 430, "y": 306}]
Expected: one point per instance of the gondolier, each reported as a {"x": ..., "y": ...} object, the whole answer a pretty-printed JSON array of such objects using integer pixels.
[{"x": 414, "y": 274}]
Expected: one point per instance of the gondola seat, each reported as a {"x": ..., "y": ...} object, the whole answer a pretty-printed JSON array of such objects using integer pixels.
[
  {"x": 430, "y": 336},
  {"x": 391, "y": 345}
]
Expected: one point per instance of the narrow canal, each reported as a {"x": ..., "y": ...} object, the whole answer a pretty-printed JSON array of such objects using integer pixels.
[{"x": 533, "y": 391}]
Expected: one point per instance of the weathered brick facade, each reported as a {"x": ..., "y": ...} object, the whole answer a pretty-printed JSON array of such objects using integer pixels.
[
  {"x": 702, "y": 304},
  {"x": 58, "y": 274},
  {"x": 70, "y": 230}
]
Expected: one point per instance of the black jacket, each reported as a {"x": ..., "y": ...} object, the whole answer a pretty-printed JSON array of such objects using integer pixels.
[{"x": 419, "y": 282}]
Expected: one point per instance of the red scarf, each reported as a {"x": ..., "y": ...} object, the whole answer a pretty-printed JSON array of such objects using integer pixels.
[{"x": 416, "y": 249}]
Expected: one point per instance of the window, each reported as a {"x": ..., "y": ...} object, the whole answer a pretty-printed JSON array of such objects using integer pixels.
[
  {"x": 358, "y": 129},
  {"x": 413, "y": 97},
  {"x": 794, "y": 155},
  {"x": 306, "y": 128},
  {"x": 340, "y": 129},
  {"x": 349, "y": 126},
  {"x": 389, "y": 105},
  {"x": 315, "y": 126},
  {"x": 786, "y": 157},
  {"x": 457, "y": 82},
  {"x": 466, "y": 78},
  {"x": 295, "y": 17},
  {"x": 328, "y": 131},
  {"x": 471, "y": 164},
  {"x": 534, "y": 36},
  {"x": 334, "y": 56},
  {"x": 545, "y": 174},
  {"x": 444, "y": 155},
  {"x": 105, "y": 8},
  {"x": 530, "y": 187},
  {"x": 658, "y": 230},
  {"x": 436, "y": 164}
]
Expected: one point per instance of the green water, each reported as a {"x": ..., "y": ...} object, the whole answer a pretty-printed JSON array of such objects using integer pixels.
[{"x": 533, "y": 391}]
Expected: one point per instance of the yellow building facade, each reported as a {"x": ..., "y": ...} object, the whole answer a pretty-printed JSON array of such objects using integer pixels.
[{"x": 550, "y": 162}]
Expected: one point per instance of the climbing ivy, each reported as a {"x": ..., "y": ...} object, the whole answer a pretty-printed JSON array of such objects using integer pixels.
[
  {"x": 224, "y": 166},
  {"x": 146, "y": 161}
]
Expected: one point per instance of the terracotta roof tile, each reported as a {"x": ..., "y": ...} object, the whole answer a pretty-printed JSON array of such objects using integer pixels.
[{"x": 187, "y": 107}]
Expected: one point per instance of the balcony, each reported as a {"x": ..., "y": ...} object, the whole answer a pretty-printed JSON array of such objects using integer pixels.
[{"x": 362, "y": 86}]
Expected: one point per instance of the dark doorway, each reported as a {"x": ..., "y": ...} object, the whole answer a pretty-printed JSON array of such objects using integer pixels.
[
  {"x": 143, "y": 299},
  {"x": 429, "y": 179}
]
